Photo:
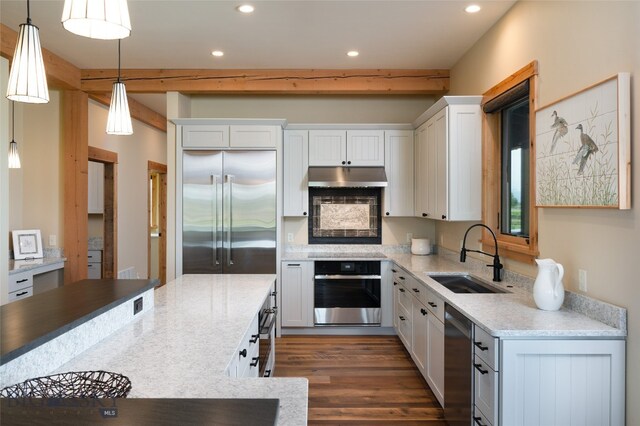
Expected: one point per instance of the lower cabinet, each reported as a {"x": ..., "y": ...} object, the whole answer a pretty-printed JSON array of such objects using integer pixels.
[
  {"x": 419, "y": 336},
  {"x": 435, "y": 356},
  {"x": 297, "y": 294},
  {"x": 247, "y": 361},
  {"x": 20, "y": 286}
]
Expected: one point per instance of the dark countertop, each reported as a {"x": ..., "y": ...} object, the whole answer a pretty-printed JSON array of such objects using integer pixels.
[
  {"x": 157, "y": 412},
  {"x": 28, "y": 323}
]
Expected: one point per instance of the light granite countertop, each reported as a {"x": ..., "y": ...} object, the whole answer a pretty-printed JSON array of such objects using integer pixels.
[
  {"x": 513, "y": 314},
  {"x": 293, "y": 256},
  {"x": 182, "y": 347},
  {"x": 45, "y": 263}
]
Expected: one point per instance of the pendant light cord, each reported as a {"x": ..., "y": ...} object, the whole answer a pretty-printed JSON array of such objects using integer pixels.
[
  {"x": 28, "y": 13},
  {"x": 13, "y": 120},
  {"x": 118, "y": 60}
]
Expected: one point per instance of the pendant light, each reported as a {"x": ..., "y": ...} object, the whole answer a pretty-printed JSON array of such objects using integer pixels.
[
  {"x": 14, "y": 157},
  {"x": 27, "y": 78},
  {"x": 101, "y": 19},
  {"x": 119, "y": 120}
]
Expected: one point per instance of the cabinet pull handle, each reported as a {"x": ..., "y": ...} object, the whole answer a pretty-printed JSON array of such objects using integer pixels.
[
  {"x": 254, "y": 362},
  {"x": 444, "y": 216},
  {"x": 416, "y": 290},
  {"x": 433, "y": 305},
  {"x": 21, "y": 294},
  {"x": 90, "y": 257},
  {"x": 293, "y": 264},
  {"x": 267, "y": 373},
  {"x": 344, "y": 162},
  {"x": 402, "y": 278},
  {"x": 387, "y": 213},
  {"x": 424, "y": 215},
  {"x": 395, "y": 283},
  {"x": 304, "y": 213},
  {"x": 243, "y": 353},
  {"x": 401, "y": 318},
  {"x": 477, "y": 421},
  {"x": 21, "y": 281},
  {"x": 401, "y": 290},
  {"x": 423, "y": 311},
  {"x": 254, "y": 338},
  {"x": 479, "y": 345},
  {"x": 477, "y": 366},
  {"x": 394, "y": 271}
]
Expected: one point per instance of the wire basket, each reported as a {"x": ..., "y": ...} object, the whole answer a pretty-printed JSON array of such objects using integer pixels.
[{"x": 75, "y": 384}]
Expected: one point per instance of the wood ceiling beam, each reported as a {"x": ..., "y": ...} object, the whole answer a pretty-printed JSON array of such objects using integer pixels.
[
  {"x": 269, "y": 81},
  {"x": 138, "y": 111},
  {"x": 61, "y": 74}
]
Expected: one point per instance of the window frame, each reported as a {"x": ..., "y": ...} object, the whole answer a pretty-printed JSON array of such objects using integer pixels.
[{"x": 513, "y": 247}]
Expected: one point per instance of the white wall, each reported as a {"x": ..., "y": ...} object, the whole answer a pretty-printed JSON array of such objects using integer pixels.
[
  {"x": 576, "y": 44},
  {"x": 134, "y": 152},
  {"x": 4, "y": 185}
]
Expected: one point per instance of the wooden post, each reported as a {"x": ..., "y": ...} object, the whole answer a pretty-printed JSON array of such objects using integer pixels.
[{"x": 76, "y": 141}]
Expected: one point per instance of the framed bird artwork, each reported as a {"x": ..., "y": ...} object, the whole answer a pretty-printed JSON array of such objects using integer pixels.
[{"x": 582, "y": 147}]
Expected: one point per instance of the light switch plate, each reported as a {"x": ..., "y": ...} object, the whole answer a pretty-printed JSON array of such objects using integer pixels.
[
  {"x": 290, "y": 237},
  {"x": 53, "y": 240},
  {"x": 582, "y": 280}
]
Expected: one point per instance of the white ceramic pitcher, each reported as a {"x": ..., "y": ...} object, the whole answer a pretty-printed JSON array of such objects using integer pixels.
[{"x": 548, "y": 291}]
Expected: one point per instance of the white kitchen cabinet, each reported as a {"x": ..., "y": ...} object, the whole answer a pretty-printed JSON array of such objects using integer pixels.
[
  {"x": 434, "y": 373},
  {"x": 230, "y": 136},
  {"x": 297, "y": 294},
  {"x": 296, "y": 165},
  {"x": 386, "y": 294},
  {"x": 419, "y": 336},
  {"x": 398, "y": 166},
  {"x": 248, "y": 359},
  {"x": 562, "y": 382},
  {"x": 346, "y": 148},
  {"x": 20, "y": 286},
  {"x": 95, "y": 181},
  {"x": 449, "y": 150},
  {"x": 94, "y": 264}
]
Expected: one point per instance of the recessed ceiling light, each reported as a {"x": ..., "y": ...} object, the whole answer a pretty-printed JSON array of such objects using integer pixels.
[
  {"x": 353, "y": 53},
  {"x": 246, "y": 8},
  {"x": 472, "y": 8},
  {"x": 217, "y": 53}
]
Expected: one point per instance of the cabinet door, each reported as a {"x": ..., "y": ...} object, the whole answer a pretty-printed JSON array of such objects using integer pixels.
[
  {"x": 440, "y": 183},
  {"x": 209, "y": 136},
  {"x": 431, "y": 164},
  {"x": 296, "y": 163},
  {"x": 398, "y": 165},
  {"x": 386, "y": 294},
  {"x": 253, "y": 136},
  {"x": 404, "y": 324},
  {"x": 95, "y": 197},
  {"x": 464, "y": 162},
  {"x": 327, "y": 147},
  {"x": 297, "y": 294},
  {"x": 419, "y": 336},
  {"x": 365, "y": 148},
  {"x": 435, "y": 357},
  {"x": 420, "y": 167}
]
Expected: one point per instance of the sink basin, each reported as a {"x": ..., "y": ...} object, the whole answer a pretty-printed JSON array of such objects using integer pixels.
[{"x": 465, "y": 284}]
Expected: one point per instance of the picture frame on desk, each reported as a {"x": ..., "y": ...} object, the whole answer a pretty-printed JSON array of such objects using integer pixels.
[{"x": 27, "y": 244}]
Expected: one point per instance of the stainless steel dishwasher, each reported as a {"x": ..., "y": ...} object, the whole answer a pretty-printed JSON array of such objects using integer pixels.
[{"x": 458, "y": 373}]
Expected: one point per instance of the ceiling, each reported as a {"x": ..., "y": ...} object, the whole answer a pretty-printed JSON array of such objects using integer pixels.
[{"x": 279, "y": 34}]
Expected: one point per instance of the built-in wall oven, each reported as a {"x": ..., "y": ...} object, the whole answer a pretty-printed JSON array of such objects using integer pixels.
[
  {"x": 347, "y": 293},
  {"x": 267, "y": 345}
]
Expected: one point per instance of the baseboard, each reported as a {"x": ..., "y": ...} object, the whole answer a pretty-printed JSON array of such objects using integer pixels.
[{"x": 339, "y": 331}]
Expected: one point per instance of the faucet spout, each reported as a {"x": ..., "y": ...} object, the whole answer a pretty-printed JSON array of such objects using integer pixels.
[{"x": 497, "y": 266}]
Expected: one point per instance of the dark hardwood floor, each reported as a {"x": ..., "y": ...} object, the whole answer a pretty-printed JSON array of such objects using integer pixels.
[{"x": 363, "y": 380}]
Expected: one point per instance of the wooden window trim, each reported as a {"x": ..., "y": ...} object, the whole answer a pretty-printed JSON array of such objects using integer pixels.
[{"x": 512, "y": 247}]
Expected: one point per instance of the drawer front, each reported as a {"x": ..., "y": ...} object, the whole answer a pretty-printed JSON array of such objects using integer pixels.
[
  {"x": 404, "y": 326},
  {"x": 404, "y": 297},
  {"x": 248, "y": 350},
  {"x": 479, "y": 419},
  {"x": 94, "y": 256},
  {"x": 486, "y": 347},
  {"x": 485, "y": 389},
  {"x": 94, "y": 271},
  {"x": 435, "y": 304},
  {"x": 20, "y": 281},
  {"x": 21, "y": 294}
]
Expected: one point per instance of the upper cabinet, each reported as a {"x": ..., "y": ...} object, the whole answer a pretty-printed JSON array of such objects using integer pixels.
[
  {"x": 346, "y": 148},
  {"x": 296, "y": 163},
  {"x": 95, "y": 197},
  {"x": 398, "y": 166},
  {"x": 230, "y": 136},
  {"x": 448, "y": 160}
]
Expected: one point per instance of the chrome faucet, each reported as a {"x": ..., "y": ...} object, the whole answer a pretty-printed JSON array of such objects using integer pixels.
[{"x": 497, "y": 266}]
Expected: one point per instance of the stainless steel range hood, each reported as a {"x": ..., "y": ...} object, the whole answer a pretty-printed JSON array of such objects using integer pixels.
[{"x": 347, "y": 177}]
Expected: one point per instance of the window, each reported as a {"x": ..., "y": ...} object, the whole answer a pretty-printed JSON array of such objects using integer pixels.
[{"x": 509, "y": 165}]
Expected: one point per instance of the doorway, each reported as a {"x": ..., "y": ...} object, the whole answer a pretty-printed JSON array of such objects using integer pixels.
[
  {"x": 109, "y": 160},
  {"x": 157, "y": 217}
]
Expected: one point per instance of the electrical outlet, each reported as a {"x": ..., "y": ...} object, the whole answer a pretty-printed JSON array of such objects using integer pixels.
[
  {"x": 409, "y": 237},
  {"x": 137, "y": 305},
  {"x": 290, "y": 237},
  {"x": 53, "y": 240},
  {"x": 582, "y": 280}
]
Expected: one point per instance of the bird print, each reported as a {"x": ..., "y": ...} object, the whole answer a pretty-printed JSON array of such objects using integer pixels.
[
  {"x": 587, "y": 147},
  {"x": 561, "y": 129}
]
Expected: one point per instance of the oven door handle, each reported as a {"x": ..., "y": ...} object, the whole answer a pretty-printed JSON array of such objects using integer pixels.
[
  {"x": 348, "y": 277},
  {"x": 265, "y": 330}
]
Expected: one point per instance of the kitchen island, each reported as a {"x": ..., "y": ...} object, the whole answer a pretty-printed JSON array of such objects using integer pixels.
[{"x": 186, "y": 346}]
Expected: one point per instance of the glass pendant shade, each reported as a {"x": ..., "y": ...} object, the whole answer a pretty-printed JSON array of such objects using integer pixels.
[
  {"x": 14, "y": 157},
  {"x": 101, "y": 19},
  {"x": 119, "y": 120},
  {"x": 27, "y": 78}
]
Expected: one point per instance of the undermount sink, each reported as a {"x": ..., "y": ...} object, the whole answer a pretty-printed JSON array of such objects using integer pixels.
[{"x": 465, "y": 284}]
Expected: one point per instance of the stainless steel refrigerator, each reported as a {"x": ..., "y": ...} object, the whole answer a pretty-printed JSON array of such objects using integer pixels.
[{"x": 229, "y": 212}]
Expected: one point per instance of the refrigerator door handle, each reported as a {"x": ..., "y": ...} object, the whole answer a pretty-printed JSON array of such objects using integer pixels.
[
  {"x": 216, "y": 224},
  {"x": 229, "y": 179}
]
